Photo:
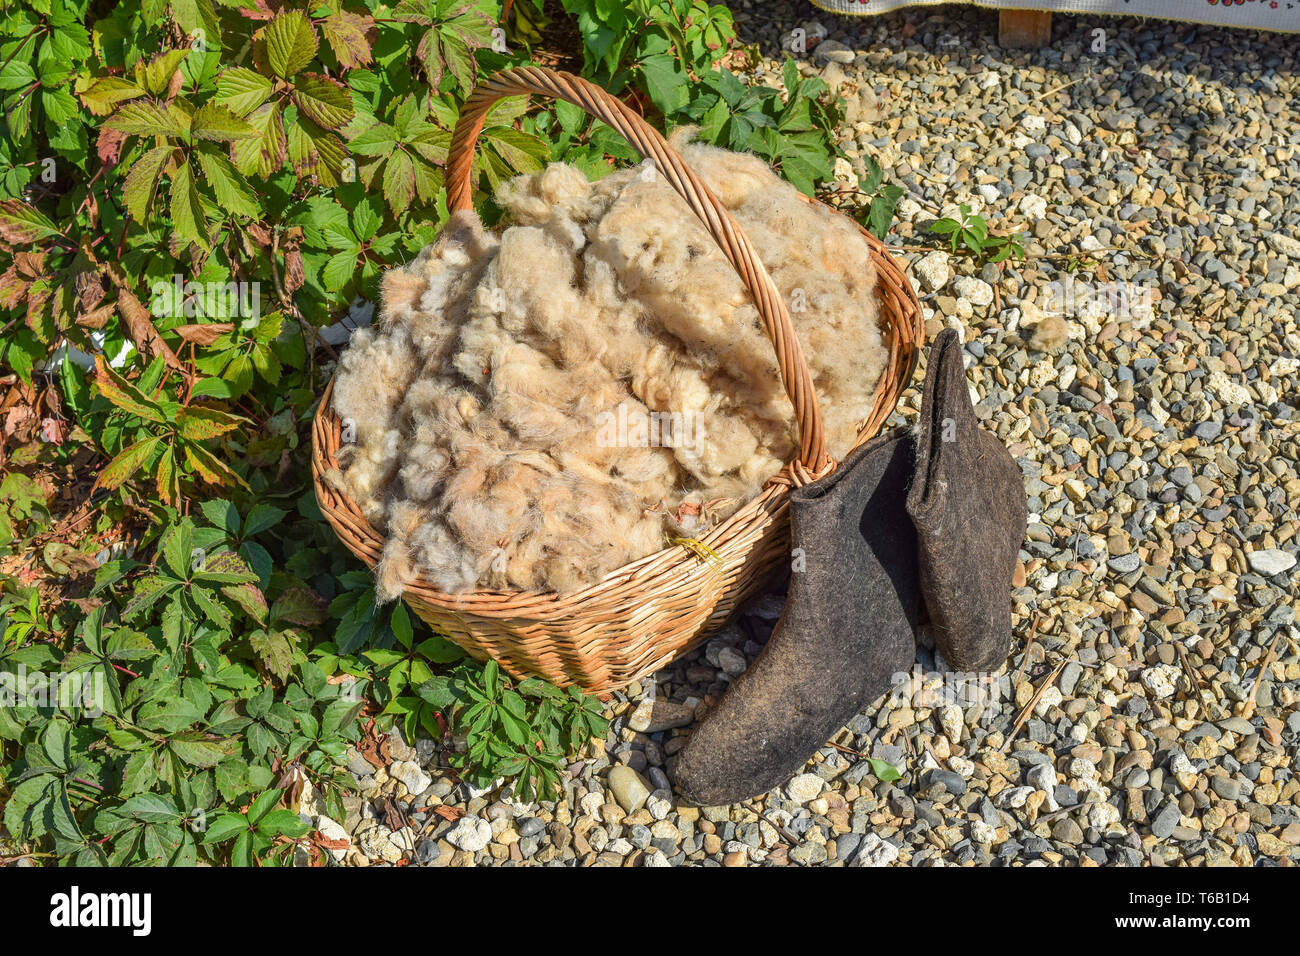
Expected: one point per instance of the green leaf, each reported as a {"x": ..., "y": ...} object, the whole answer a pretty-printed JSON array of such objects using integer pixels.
[
  {"x": 225, "y": 827},
  {"x": 339, "y": 269},
  {"x": 283, "y": 823},
  {"x": 141, "y": 181},
  {"x": 232, "y": 192},
  {"x": 376, "y": 140},
  {"x": 665, "y": 82},
  {"x": 199, "y": 423},
  {"x": 263, "y": 805},
  {"x": 178, "y": 548},
  {"x": 226, "y": 567},
  {"x": 275, "y": 651},
  {"x": 148, "y": 119},
  {"x": 261, "y": 517},
  {"x": 315, "y": 151},
  {"x": 399, "y": 181},
  {"x": 346, "y": 34},
  {"x": 198, "y": 751},
  {"x": 128, "y": 463},
  {"x": 123, "y": 394},
  {"x": 242, "y": 90},
  {"x": 216, "y": 122},
  {"x": 187, "y": 209},
  {"x": 21, "y": 224},
  {"x": 884, "y": 772},
  {"x": 290, "y": 43},
  {"x": 151, "y": 808},
  {"x": 140, "y": 773},
  {"x": 214, "y": 610},
  {"x": 265, "y": 155},
  {"x": 107, "y": 91},
  {"x": 326, "y": 101},
  {"x": 197, "y": 18}
]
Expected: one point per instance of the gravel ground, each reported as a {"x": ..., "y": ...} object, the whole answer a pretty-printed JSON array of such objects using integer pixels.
[{"x": 1142, "y": 366}]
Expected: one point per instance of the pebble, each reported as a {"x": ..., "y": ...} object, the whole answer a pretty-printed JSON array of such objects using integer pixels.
[
  {"x": 1271, "y": 561},
  {"x": 629, "y": 788},
  {"x": 804, "y": 787},
  {"x": 470, "y": 834}
]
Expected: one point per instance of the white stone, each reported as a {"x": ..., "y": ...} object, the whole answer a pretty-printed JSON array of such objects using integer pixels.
[
  {"x": 977, "y": 291},
  {"x": 1083, "y": 770},
  {"x": 475, "y": 792},
  {"x": 962, "y": 767},
  {"x": 804, "y": 787},
  {"x": 470, "y": 834},
  {"x": 1013, "y": 797},
  {"x": 411, "y": 776},
  {"x": 1103, "y": 816},
  {"x": 933, "y": 271},
  {"x": 1042, "y": 776},
  {"x": 1228, "y": 391},
  {"x": 333, "y": 831},
  {"x": 659, "y": 804},
  {"x": 1035, "y": 207},
  {"x": 1270, "y": 561},
  {"x": 875, "y": 852},
  {"x": 1284, "y": 245},
  {"x": 1161, "y": 680},
  {"x": 952, "y": 722},
  {"x": 982, "y": 833},
  {"x": 1157, "y": 412},
  {"x": 1051, "y": 698},
  {"x": 376, "y": 843}
]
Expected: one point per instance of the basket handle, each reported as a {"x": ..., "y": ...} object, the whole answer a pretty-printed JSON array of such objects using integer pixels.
[{"x": 647, "y": 141}]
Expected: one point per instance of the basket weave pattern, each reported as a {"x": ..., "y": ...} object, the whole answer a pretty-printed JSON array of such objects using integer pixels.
[{"x": 638, "y": 618}]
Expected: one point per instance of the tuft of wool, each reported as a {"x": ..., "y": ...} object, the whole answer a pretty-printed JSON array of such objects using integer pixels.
[
  {"x": 535, "y": 409},
  {"x": 1051, "y": 334}
]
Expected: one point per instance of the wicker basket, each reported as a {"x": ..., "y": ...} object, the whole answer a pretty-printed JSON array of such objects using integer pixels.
[{"x": 638, "y": 618}]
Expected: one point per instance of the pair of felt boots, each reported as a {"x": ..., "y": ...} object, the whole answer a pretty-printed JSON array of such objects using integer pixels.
[{"x": 902, "y": 530}]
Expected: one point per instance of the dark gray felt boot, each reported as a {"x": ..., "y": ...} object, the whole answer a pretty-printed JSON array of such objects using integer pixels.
[
  {"x": 969, "y": 507},
  {"x": 846, "y": 629}
]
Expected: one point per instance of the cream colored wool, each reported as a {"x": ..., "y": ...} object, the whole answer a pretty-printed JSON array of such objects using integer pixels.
[{"x": 479, "y": 405}]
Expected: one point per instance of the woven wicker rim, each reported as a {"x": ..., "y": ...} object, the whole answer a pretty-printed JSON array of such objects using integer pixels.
[{"x": 900, "y": 312}]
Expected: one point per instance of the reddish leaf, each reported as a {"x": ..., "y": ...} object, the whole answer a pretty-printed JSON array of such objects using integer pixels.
[
  {"x": 109, "y": 145},
  {"x": 203, "y": 334},
  {"x": 349, "y": 36}
]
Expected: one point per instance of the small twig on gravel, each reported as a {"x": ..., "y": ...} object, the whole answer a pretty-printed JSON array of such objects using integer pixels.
[
  {"x": 1024, "y": 657},
  {"x": 846, "y": 750},
  {"x": 1193, "y": 681},
  {"x": 1064, "y": 86},
  {"x": 1033, "y": 701},
  {"x": 1248, "y": 710}
]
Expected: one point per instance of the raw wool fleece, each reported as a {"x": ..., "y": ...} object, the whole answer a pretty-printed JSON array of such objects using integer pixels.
[{"x": 481, "y": 403}]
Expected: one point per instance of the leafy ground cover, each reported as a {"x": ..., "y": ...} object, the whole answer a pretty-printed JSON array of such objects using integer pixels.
[{"x": 190, "y": 191}]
